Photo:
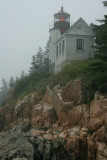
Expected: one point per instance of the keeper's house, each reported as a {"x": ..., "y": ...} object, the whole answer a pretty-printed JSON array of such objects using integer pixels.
[{"x": 67, "y": 44}]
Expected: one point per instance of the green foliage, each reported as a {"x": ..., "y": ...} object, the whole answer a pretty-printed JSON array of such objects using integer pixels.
[
  {"x": 105, "y": 3},
  {"x": 92, "y": 72},
  {"x": 40, "y": 61},
  {"x": 96, "y": 75},
  {"x": 36, "y": 81},
  {"x": 101, "y": 36},
  {"x": 3, "y": 91},
  {"x": 11, "y": 82}
]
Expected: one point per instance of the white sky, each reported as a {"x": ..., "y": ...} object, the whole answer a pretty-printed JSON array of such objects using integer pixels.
[{"x": 24, "y": 26}]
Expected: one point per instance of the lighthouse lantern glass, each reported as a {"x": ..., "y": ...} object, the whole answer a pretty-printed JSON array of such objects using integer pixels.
[{"x": 62, "y": 19}]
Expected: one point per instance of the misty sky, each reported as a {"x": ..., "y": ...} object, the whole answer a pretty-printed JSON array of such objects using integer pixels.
[{"x": 24, "y": 26}]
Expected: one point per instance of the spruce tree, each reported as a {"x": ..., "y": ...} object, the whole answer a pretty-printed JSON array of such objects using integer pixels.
[
  {"x": 33, "y": 63},
  {"x": 101, "y": 36},
  {"x": 3, "y": 91},
  {"x": 11, "y": 82}
]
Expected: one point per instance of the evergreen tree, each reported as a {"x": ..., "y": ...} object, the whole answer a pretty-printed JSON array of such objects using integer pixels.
[
  {"x": 11, "y": 82},
  {"x": 36, "y": 63},
  {"x": 33, "y": 63},
  {"x": 22, "y": 75},
  {"x": 4, "y": 91},
  {"x": 46, "y": 57},
  {"x": 4, "y": 86},
  {"x": 1, "y": 96},
  {"x": 17, "y": 80},
  {"x": 105, "y": 3},
  {"x": 40, "y": 61},
  {"x": 101, "y": 36}
]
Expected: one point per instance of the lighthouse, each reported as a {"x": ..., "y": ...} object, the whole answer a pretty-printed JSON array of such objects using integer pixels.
[
  {"x": 62, "y": 21},
  {"x": 60, "y": 25},
  {"x": 69, "y": 43}
]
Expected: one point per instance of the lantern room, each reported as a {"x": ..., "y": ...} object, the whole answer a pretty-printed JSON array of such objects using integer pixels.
[{"x": 62, "y": 21}]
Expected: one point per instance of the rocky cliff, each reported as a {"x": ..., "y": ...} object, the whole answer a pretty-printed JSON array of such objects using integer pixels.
[{"x": 64, "y": 125}]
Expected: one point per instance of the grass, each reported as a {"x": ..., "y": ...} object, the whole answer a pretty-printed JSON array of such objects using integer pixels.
[{"x": 92, "y": 72}]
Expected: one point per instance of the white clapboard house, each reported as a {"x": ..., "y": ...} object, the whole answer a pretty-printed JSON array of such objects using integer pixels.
[{"x": 69, "y": 43}]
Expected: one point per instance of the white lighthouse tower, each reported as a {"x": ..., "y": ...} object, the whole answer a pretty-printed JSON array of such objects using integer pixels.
[{"x": 60, "y": 25}]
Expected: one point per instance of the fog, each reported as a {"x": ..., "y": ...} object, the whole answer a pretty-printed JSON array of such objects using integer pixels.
[{"x": 24, "y": 26}]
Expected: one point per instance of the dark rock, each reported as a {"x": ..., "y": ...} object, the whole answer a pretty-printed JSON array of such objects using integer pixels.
[
  {"x": 50, "y": 149},
  {"x": 14, "y": 144}
]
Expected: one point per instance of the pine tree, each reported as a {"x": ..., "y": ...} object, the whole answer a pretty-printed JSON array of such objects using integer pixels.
[
  {"x": 46, "y": 57},
  {"x": 37, "y": 62},
  {"x": 4, "y": 91},
  {"x": 17, "y": 80},
  {"x": 40, "y": 61},
  {"x": 33, "y": 63},
  {"x": 105, "y": 3},
  {"x": 101, "y": 36},
  {"x": 22, "y": 75},
  {"x": 11, "y": 82},
  {"x": 4, "y": 86}
]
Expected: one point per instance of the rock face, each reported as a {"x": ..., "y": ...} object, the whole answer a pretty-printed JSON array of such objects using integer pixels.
[
  {"x": 21, "y": 143},
  {"x": 14, "y": 143},
  {"x": 64, "y": 125},
  {"x": 77, "y": 92},
  {"x": 71, "y": 110},
  {"x": 98, "y": 127}
]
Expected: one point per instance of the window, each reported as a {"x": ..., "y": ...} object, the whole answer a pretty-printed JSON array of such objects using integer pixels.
[
  {"x": 60, "y": 48},
  {"x": 80, "y": 45},
  {"x": 56, "y": 51},
  {"x": 63, "y": 46}
]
